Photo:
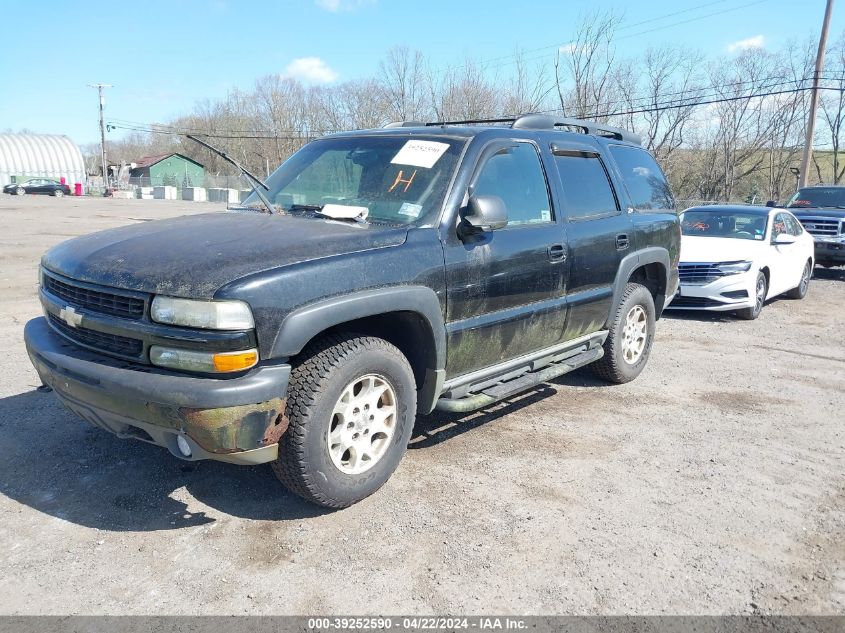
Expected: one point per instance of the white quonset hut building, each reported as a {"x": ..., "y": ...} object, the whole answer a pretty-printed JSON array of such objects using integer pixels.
[{"x": 40, "y": 156}]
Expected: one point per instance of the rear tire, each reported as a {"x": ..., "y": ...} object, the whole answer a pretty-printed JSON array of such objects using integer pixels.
[
  {"x": 761, "y": 289},
  {"x": 58, "y": 193},
  {"x": 800, "y": 291},
  {"x": 334, "y": 452},
  {"x": 628, "y": 343}
]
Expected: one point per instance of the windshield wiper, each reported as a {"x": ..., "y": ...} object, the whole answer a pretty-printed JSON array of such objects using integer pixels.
[{"x": 255, "y": 181}]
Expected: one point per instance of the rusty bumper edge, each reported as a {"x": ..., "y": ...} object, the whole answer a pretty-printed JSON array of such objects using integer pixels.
[{"x": 156, "y": 408}]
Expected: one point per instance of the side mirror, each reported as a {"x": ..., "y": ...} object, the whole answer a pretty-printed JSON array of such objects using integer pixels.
[
  {"x": 771, "y": 203},
  {"x": 784, "y": 238},
  {"x": 485, "y": 213}
]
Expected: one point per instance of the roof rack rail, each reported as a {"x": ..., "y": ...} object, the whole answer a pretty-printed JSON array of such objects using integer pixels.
[
  {"x": 546, "y": 122},
  {"x": 471, "y": 122},
  {"x": 406, "y": 124}
]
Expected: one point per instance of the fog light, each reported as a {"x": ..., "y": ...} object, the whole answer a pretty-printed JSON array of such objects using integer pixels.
[
  {"x": 208, "y": 362},
  {"x": 183, "y": 445}
]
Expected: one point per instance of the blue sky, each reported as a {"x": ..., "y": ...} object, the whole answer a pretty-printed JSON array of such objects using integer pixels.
[{"x": 164, "y": 56}]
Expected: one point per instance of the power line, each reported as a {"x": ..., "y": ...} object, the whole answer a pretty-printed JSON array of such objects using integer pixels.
[
  {"x": 702, "y": 92},
  {"x": 182, "y": 132},
  {"x": 115, "y": 123},
  {"x": 755, "y": 95},
  {"x": 689, "y": 93}
]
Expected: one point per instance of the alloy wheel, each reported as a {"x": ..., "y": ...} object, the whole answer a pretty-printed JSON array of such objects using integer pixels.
[
  {"x": 805, "y": 278},
  {"x": 634, "y": 334},
  {"x": 760, "y": 293},
  {"x": 362, "y": 424}
]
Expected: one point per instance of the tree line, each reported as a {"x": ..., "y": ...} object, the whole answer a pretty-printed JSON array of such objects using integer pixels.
[{"x": 724, "y": 129}]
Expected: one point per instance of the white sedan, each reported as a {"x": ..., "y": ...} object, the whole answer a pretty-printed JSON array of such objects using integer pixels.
[{"x": 733, "y": 258}]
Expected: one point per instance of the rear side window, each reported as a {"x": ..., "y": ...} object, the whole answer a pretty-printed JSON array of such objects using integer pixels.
[
  {"x": 586, "y": 186},
  {"x": 643, "y": 178}
]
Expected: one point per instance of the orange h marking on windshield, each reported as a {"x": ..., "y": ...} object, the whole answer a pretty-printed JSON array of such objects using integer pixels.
[{"x": 400, "y": 181}]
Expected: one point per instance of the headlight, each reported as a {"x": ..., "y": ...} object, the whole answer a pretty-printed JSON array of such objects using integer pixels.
[
  {"x": 207, "y": 362},
  {"x": 211, "y": 315},
  {"x": 734, "y": 268}
]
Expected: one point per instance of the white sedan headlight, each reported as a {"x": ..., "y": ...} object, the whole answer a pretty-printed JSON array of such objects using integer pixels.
[
  {"x": 734, "y": 268},
  {"x": 210, "y": 315}
]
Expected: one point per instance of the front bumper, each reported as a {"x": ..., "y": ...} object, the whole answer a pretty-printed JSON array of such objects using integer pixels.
[
  {"x": 830, "y": 250},
  {"x": 732, "y": 292},
  {"x": 237, "y": 420}
]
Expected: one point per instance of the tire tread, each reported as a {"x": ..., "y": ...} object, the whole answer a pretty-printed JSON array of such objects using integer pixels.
[
  {"x": 308, "y": 379},
  {"x": 608, "y": 366}
]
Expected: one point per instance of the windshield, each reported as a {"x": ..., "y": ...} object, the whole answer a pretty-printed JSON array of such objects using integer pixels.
[
  {"x": 726, "y": 224},
  {"x": 397, "y": 180},
  {"x": 830, "y": 197}
]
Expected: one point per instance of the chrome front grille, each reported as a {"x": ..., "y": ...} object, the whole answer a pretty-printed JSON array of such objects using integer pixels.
[
  {"x": 823, "y": 227},
  {"x": 698, "y": 273}
]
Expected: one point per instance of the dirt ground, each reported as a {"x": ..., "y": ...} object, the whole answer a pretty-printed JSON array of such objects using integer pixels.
[{"x": 713, "y": 484}]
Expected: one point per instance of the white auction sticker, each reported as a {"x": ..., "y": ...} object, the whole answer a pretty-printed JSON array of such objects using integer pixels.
[{"x": 420, "y": 153}]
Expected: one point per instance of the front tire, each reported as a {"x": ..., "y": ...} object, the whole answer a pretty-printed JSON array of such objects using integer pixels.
[
  {"x": 352, "y": 404},
  {"x": 628, "y": 343},
  {"x": 761, "y": 289},
  {"x": 800, "y": 291},
  {"x": 20, "y": 191}
]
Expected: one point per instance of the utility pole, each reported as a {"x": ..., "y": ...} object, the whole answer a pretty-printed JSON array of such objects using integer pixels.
[
  {"x": 814, "y": 99},
  {"x": 99, "y": 88}
]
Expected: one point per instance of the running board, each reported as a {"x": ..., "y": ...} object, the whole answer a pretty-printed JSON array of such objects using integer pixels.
[{"x": 508, "y": 388}]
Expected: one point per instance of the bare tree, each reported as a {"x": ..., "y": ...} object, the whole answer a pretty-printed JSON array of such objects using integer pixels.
[
  {"x": 832, "y": 104},
  {"x": 588, "y": 62},
  {"x": 463, "y": 93},
  {"x": 527, "y": 89},
  {"x": 402, "y": 79}
]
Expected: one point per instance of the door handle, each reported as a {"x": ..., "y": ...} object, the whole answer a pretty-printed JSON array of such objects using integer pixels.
[
  {"x": 557, "y": 253},
  {"x": 622, "y": 242}
]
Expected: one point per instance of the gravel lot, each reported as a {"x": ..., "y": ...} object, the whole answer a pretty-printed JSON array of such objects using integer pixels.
[{"x": 715, "y": 483}]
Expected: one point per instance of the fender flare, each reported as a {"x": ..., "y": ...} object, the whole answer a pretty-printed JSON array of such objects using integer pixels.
[
  {"x": 629, "y": 263},
  {"x": 307, "y": 321}
]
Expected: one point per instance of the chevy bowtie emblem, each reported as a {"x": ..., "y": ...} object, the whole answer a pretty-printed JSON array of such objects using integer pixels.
[{"x": 70, "y": 316}]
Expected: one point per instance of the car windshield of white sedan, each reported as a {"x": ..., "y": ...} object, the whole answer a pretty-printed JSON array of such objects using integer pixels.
[{"x": 725, "y": 224}]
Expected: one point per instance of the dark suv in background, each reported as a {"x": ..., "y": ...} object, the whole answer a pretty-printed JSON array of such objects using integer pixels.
[
  {"x": 821, "y": 210},
  {"x": 393, "y": 272}
]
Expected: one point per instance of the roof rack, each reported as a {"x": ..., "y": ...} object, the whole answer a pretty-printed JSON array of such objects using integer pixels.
[{"x": 542, "y": 122}]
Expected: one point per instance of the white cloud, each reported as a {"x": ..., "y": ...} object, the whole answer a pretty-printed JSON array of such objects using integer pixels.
[
  {"x": 568, "y": 48},
  {"x": 311, "y": 69},
  {"x": 336, "y": 6},
  {"x": 758, "y": 41}
]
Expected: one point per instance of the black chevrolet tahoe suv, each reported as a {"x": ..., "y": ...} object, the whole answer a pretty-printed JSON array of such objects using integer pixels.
[
  {"x": 821, "y": 210},
  {"x": 397, "y": 271}
]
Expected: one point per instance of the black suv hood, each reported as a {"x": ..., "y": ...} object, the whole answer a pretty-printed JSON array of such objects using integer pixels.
[{"x": 193, "y": 256}]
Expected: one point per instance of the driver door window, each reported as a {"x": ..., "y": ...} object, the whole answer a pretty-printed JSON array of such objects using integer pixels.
[{"x": 515, "y": 175}]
